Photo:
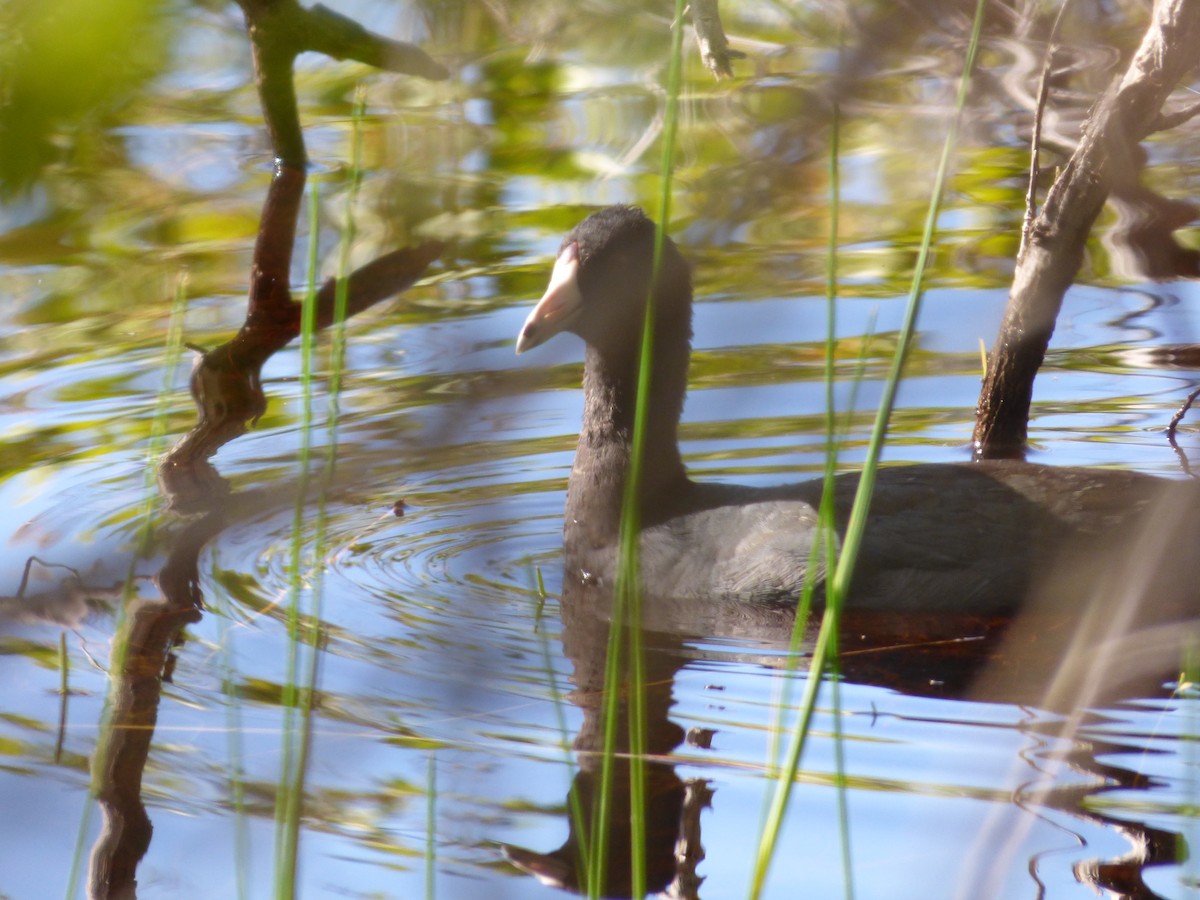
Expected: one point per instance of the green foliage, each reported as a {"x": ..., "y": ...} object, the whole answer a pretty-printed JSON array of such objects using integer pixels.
[{"x": 65, "y": 64}]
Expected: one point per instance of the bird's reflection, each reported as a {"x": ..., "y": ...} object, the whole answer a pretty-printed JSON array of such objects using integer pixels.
[{"x": 1055, "y": 652}]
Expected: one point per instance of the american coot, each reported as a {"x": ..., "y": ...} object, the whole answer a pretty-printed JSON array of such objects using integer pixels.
[{"x": 951, "y": 537}]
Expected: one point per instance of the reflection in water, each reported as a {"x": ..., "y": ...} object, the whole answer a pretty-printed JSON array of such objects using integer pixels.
[
  {"x": 953, "y": 657},
  {"x": 514, "y": 160},
  {"x": 227, "y": 381},
  {"x": 1122, "y": 876},
  {"x": 227, "y": 388},
  {"x": 597, "y": 819},
  {"x": 1010, "y": 582},
  {"x": 1007, "y": 581},
  {"x": 141, "y": 662},
  {"x": 55, "y": 594}
]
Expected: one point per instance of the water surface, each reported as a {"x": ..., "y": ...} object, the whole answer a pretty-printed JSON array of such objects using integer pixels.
[{"x": 442, "y": 671}]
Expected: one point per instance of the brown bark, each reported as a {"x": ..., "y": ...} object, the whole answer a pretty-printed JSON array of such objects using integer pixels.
[
  {"x": 1053, "y": 251},
  {"x": 280, "y": 30}
]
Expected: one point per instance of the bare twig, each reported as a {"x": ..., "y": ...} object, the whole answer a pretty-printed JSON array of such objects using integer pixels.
[
  {"x": 1036, "y": 141},
  {"x": 710, "y": 36},
  {"x": 1167, "y": 121},
  {"x": 335, "y": 35},
  {"x": 1173, "y": 427},
  {"x": 280, "y": 30},
  {"x": 225, "y": 382}
]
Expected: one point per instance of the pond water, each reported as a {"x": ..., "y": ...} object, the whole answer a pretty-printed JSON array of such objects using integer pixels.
[{"x": 450, "y": 689}]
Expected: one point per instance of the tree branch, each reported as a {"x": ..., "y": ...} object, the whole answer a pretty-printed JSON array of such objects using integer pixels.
[{"x": 1052, "y": 256}]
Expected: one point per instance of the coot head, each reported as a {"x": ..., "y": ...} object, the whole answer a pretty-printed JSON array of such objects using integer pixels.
[{"x": 601, "y": 281}]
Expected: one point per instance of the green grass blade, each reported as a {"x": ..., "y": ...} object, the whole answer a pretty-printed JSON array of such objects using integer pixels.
[
  {"x": 627, "y": 589},
  {"x": 858, "y": 513},
  {"x": 305, "y": 644},
  {"x": 142, "y": 540},
  {"x": 430, "y": 826},
  {"x": 837, "y": 589},
  {"x": 235, "y": 749},
  {"x": 289, "y": 801},
  {"x": 575, "y": 807}
]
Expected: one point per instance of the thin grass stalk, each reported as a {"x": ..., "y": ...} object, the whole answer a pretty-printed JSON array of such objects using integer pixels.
[
  {"x": 825, "y": 516},
  {"x": 289, "y": 805},
  {"x": 1188, "y": 691},
  {"x": 858, "y": 513},
  {"x": 80, "y": 851},
  {"x": 304, "y": 698},
  {"x": 837, "y": 589},
  {"x": 627, "y": 589},
  {"x": 840, "y": 780},
  {"x": 598, "y": 849},
  {"x": 541, "y": 593},
  {"x": 823, "y": 547},
  {"x": 337, "y": 366},
  {"x": 774, "y": 823},
  {"x": 342, "y": 288},
  {"x": 1184, "y": 858},
  {"x": 831, "y": 294},
  {"x": 823, "y": 555},
  {"x": 172, "y": 356},
  {"x": 430, "y": 825},
  {"x": 173, "y": 352},
  {"x": 316, "y": 580},
  {"x": 156, "y": 445},
  {"x": 236, "y": 750},
  {"x": 575, "y": 807},
  {"x": 64, "y": 678},
  {"x": 628, "y": 594},
  {"x": 637, "y": 752}
]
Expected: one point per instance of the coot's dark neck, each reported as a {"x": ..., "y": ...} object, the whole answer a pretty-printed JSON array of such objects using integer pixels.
[{"x": 605, "y": 449}]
